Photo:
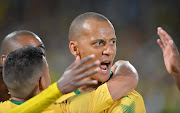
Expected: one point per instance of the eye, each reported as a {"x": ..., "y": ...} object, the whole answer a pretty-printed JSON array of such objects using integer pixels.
[
  {"x": 99, "y": 43},
  {"x": 113, "y": 41}
]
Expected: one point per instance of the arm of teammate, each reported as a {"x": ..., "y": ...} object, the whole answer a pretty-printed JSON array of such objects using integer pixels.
[
  {"x": 125, "y": 79},
  {"x": 70, "y": 81},
  {"x": 171, "y": 55}
]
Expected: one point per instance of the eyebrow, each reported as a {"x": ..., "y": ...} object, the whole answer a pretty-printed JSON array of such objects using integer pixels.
[
  {"x": 114, "y": 39},
  {"x": 97, "y": 40}
]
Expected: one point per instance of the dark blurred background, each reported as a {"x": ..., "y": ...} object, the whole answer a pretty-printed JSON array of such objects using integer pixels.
[{"x": 135, "y": 22}]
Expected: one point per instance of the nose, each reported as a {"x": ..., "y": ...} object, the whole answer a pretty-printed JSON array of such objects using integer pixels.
[{"x": 107, "y": 50}]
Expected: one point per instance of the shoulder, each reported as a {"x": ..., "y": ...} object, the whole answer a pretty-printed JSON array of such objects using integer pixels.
[
  {"x": 66, "y": 96},
  {"x": 6, "y": 106},
  {"x": 133, "y": 100},
  {"x": 132, "y": 96}
]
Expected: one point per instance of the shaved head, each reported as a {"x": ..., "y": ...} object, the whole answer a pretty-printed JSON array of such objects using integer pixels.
[
  {"x": 77, "y": 25},
  {"x": 15, "y": 39}
]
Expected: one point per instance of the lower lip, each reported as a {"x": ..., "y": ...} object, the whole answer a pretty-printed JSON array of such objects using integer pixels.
[{"x": 106, "y": 71}]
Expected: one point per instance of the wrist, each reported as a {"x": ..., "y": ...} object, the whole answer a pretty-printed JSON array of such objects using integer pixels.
[{"x": 61, "y": 89}]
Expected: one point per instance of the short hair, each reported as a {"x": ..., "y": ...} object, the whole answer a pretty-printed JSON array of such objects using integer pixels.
[
  {"x": 77, "y": 23},
  {"x": 23, "y": 68},
  {"x": 10, "y": 38}
]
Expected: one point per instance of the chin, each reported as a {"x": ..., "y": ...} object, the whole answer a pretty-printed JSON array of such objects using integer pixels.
[{"x": 102, "y": 77}]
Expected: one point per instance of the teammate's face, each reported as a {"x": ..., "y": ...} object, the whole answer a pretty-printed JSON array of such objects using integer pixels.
[{"x": 98, "y": 38}]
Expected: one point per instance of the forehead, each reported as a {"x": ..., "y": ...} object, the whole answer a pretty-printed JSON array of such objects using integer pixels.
[
  {"x": 25, "y": 40},
  {"x": 98, "y": 29},
  {"x": 28, "y": 40}
]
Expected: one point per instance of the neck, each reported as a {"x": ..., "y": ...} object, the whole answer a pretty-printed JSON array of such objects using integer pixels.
[
  {"x": 17, "y": 99},
  {"x": 24, "y": 96}
]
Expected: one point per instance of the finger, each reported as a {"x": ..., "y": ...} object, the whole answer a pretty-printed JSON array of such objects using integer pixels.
[
  {"x": 166, "y": 35},
  {"x": 92, "y": 82},
  {"x": 89, "y": 73},
  {"x": 160, "y": 43},
  {"x": 89, "y": 66},
  {"x": 162, "y": 37},
  {"x": 174, "y": 48},
  {"x": 74, "y": 63},
  {"x": 83, "y": 61}
]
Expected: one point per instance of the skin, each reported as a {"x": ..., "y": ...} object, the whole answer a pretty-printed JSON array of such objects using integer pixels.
[
  {"x": 170, "y": 54},
  {"x": 97, "y": 37}
]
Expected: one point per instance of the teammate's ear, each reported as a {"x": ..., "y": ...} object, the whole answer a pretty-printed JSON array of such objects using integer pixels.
[
  {"x": 3, "y": 58},
  {"x": 73, "y": 46},
  {"x": 42, "y": 83}
]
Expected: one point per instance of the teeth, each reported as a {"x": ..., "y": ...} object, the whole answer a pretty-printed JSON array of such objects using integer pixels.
[{"x": 104, "y": 69}]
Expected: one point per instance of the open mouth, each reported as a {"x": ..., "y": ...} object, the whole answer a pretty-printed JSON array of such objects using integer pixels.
[{"x": 104, "y": 65}]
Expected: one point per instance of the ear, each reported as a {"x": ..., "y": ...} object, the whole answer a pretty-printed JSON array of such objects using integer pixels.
[
  {"x": 3, "y": 58},
  {"x": 42, "y": 83},
  {"x": 73, "y": 46}
]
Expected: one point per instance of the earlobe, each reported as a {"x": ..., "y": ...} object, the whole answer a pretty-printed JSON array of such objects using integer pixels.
[{"x": 74, "y": 48}]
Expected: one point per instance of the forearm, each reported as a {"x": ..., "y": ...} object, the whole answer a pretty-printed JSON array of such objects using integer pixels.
[
  {"x": 40, "y": 102},
  {"x": 121, "y": 85},
  {"x": 176, "y": 77}
]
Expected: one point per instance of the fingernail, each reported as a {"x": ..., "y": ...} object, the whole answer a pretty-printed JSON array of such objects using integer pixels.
[
  {"x": 171, "y": 42},
  {"x": 95, "y": 81},
  {"x": 97, "y": 69},
  {"x": 92, "y": 56},
  {"x": 97, "y": 62}
]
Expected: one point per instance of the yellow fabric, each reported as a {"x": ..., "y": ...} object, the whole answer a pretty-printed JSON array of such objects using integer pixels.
[
  {"x": 131, "y": 103},
  {"x": 66, "y": 96},
  {"x": 97, "y": 101},
  {"x": 89, "y": 102},
  {"x": 32, "y": 106},
  {"x": 100, "y": 101}
]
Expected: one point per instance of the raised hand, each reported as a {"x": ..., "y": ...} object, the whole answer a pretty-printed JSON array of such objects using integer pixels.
[
  {"x": 73, "y": 77},
  {"x": 171, "y": 55},
  {"x": 170, "y": 52}
]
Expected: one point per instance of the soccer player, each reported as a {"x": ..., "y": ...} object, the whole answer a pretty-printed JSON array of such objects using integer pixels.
[
  {"x": 171, "y": 55},
  {"x": 12, "y": 42},
  {"x": 92, "y": 33},
  {"x": 21, "y": 38},
  {"x": 26, "y": 74}
]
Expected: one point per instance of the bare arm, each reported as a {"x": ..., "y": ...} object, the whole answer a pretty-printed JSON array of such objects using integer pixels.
[
  {"x": 125, "y": 79},
  {"x": 170, "y": 54}
]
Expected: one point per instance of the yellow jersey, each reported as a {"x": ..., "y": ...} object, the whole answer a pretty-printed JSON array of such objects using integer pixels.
[
  {"x": 51, "y": 94},
  {"x": 97, "y": 101}
]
